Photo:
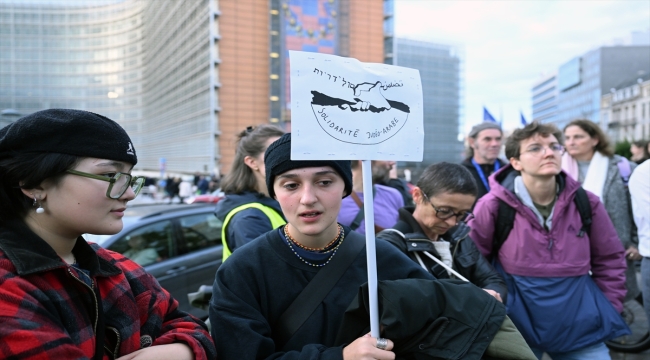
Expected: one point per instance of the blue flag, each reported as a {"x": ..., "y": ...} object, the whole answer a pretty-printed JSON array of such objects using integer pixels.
[
  {"x": 523, "y": 119},
  {"x": 487, "y": 116}
]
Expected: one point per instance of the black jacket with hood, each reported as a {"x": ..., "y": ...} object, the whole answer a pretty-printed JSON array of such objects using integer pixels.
[
  {"x": 428, "y": 319},
  {"x": 247, "y": 224},
  {"x": 466, "y": 258}
]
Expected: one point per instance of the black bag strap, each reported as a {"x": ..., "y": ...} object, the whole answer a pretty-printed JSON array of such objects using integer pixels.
[
  {"x": 357, "y": 219},
  {"x": 313, "y": 294},
  {"x": 584, "y": 208},
  {"x": 506, "y": 219}
]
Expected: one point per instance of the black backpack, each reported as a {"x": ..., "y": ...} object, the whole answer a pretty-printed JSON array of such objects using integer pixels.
[{"x": 506, "y": 218}]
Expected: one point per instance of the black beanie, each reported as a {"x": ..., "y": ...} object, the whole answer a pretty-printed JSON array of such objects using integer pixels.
[
  {"x": 65, "y": 131},
  {"x": 277, "y": 160}
]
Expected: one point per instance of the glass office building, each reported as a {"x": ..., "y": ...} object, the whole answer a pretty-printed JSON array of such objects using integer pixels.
[
  {"x": 583, "y": 80},
  {"x": 83, "y": 55},
  {"x": 441, "y": 72},
  {"x": 389, "y": 30},
  {"x": 184, "y": 78},
  {"x": 149, "y": 67},
  {"x": 545, "y": 93}
]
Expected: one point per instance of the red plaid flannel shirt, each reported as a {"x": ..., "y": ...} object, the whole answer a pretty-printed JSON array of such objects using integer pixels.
[{"x": 48, "y": 312}]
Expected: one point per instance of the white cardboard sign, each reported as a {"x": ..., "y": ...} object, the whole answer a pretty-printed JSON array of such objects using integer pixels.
[{"x": 343, "y": 109}]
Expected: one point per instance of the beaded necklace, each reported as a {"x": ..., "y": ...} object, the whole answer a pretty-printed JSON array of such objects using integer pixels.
[
  {"x": 291, "y": 242},
  {"x": 324, "y": 249}
]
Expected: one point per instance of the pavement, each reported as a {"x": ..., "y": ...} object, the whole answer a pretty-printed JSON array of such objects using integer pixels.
[{"x": 622, "y": 356}]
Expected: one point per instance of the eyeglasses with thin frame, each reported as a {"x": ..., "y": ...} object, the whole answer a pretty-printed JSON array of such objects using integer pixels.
[
  {"x": 444, "y": 213},
  {"x": 539, "y": 150},
  {"x": 119, "y": 182}
]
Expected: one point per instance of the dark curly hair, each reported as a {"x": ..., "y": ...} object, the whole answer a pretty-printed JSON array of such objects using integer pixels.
[{"x": 27, "y": 171}]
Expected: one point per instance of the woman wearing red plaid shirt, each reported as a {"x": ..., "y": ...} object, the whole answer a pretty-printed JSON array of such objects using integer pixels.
[{"x": 64, "y": 173}]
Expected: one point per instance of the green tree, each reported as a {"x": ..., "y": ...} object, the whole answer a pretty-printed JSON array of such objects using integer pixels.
[{"x": 623, "y": 148}]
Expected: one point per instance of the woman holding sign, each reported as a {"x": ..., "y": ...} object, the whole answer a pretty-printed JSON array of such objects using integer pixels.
[{"x": 259, "y": 309}]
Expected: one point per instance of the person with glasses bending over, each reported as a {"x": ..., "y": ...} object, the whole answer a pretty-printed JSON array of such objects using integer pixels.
[
  {"x": 565, "y": 285},
  {"x": 64, "y": 173},
  {"x": 436, "y": 228}
]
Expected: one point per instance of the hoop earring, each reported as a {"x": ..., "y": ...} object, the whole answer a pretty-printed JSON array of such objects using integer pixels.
[{"x": 40, "y": 209}]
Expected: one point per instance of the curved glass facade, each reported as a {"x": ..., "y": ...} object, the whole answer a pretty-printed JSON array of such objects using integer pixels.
[
  {"x": 179, "y": 121},
  {"x": 83, "y": 57},
  {"x": 151, "y": 68}
]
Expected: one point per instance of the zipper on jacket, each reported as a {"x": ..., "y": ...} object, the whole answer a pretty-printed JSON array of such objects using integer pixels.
[
  {"x": 453, "y": 256},
  {"x": 117, "y": 345},
  {"x": 94, "y": 298}
]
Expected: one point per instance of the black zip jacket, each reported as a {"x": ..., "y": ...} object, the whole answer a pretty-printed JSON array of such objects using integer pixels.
[
  {"x": 466, "y": 258},
  {"x": 446, "y": 319}
]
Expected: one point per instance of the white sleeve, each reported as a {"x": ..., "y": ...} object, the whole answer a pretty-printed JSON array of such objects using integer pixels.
[{"x": 639, "y": 187}]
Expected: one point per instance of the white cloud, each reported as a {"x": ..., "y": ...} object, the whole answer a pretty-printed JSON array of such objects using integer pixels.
[{"x": 509, "y": 44}]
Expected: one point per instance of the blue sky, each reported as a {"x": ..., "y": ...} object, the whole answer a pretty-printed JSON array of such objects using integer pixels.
[{"x": 510, "y": 44}]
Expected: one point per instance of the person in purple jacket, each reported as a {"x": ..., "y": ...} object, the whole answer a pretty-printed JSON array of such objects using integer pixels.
[{"x": 565, "y": 286}]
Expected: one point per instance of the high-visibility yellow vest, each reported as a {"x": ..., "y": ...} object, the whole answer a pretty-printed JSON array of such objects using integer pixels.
[{"x": 275, "y": 218}]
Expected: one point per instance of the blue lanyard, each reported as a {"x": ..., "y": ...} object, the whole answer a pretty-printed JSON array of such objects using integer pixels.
[{"x": 479, "y": 170}]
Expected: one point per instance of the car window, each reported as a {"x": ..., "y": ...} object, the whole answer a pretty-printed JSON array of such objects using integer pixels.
[
  {"x": 148, "y": 244},
  {"x": 200, "y": 231}
]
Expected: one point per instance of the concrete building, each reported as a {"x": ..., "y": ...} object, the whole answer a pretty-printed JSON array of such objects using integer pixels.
[
  {"x": 625, "y": 110},
  {"x": 182, "y": 77},
  {"x": 583, "y": 80},
  {"x": 342, "y": 27},
  {"x": 545, "y": 94},
  {"x": 441, "y": 72}
]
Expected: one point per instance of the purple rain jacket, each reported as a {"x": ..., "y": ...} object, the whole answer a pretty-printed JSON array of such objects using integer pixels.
[{"x": 532, "y": 251}]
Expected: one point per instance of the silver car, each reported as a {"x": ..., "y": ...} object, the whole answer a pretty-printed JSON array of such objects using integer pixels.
[{"x": 180, "y": 245}]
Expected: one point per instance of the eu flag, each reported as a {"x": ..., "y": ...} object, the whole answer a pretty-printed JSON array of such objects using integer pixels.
[
  {"x": 523, "y": 119},
  {"x": 487, "y": 116}
]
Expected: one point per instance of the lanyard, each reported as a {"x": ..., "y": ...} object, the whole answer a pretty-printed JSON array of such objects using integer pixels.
[{"x": 479, "y": 170}]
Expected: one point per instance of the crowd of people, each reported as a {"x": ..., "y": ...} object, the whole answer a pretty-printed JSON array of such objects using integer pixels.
[{"x": 491, "y": 258}]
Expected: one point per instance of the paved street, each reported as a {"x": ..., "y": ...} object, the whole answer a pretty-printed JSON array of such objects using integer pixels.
[{"x": 621, "y": 356}]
